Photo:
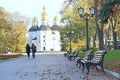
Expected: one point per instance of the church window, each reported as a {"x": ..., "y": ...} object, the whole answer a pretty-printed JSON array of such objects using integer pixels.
[
  {"x": 43, "y": 40},
  {"x": 44, "y": 48},
  {"x": 53, "y": 32},
  {"x": 44, "y": 36}
]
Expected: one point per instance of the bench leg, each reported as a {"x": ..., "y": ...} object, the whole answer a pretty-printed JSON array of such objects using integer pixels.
[
  {"x": 102, "y": 69},
  {"x": 70, "y": 58},
  {"x": 83, "y": 65},
  {"x": 65, "y": 54},
  {"x": 79, "y": 62},
  {"x": 96, "y": 67},
  {"x": 88, "y": 64},
  {"x": 73, "y": 58}
]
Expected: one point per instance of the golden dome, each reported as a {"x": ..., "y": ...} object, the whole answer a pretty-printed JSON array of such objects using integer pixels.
[
  {"x": 55, "y": 18},
  {"x": 35, "y": 20},
  {"x": 44, "y": 14},
  {"x": 43, "y": 18}
]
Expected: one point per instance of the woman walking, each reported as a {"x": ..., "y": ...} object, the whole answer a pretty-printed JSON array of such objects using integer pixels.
[
  {"x": 33, "y": 47},
  {"x": 28, "y": 50}
]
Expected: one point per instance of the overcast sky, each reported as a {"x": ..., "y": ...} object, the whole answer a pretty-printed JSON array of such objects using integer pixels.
[{"x": 33, "y": 8}]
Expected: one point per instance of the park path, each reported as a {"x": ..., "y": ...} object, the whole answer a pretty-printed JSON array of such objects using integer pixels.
[{"x": 46, "y": 66}]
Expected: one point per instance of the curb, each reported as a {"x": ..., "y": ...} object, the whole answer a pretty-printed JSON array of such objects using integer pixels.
[
  {"x": 114, "y": 74},
  {"x": 9, "y": 59}
]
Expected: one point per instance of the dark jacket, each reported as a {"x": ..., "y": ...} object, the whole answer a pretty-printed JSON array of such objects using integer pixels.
[
  {"x": 33, "y": 48},
  {"x": 27, "y": 48}
]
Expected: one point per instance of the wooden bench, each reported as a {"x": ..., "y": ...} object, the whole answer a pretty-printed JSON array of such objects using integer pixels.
[
  {"x": 87, "y": 57},
  {"x": 67, "y": 53},
  {"x": 74, "y": 55},
  {"x": 97, "y": 60},
  {"x": 70, "y": 53}
]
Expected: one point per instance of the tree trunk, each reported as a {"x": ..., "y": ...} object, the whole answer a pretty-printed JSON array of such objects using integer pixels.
[
  {"x": 94, "y": 38},
  {"x": 114, "y": 35},
  {"x": 100, "y": 36},
  {"x": 99, "y": 30}
]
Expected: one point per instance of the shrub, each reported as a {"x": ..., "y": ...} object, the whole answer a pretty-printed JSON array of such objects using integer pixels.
[{"x": 13, "y": 55}]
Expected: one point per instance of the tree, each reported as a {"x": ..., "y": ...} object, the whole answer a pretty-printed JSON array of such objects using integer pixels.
[
  {"x": 13, "y": 28},
  {"x": 70, "y": 15},
  {"x": 4, "y": 30},
  {"x": 109, "y": 11}
]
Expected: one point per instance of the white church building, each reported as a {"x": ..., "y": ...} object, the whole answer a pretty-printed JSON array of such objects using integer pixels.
[{"x": 45, "y": 38}]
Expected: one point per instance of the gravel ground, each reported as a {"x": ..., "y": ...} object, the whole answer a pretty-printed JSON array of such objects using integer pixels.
[{"x": 46, "y": 66}]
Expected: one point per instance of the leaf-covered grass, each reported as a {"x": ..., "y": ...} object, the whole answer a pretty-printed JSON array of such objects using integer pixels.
[{"x": 111, "y": 60}]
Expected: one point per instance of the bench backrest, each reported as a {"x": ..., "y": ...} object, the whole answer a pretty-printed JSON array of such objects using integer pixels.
[
  {"x": 99, "y": 56},
  {"x": 76, "y": 52},
  {"x": 73, "y": 52},
  {"x": 87, "y": 54}
]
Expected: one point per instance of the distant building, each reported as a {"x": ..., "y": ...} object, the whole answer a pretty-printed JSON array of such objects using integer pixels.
[{"x": 45, "y": 38}]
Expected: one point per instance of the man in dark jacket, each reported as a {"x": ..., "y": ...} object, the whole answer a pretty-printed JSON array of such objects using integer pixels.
[
  {"x": 28, "y": 50},
  {"x": 33, "y": 47}
]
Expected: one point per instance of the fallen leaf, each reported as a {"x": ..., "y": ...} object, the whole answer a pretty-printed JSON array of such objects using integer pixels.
[{"x": 66, "y": 79}]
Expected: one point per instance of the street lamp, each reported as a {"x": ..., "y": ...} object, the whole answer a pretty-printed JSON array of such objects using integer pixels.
[
  {"x": 69, "y": 33},
  {"x": 85, "y": 16}
]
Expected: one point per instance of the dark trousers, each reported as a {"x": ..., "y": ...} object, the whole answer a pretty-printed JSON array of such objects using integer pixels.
[
  {"x": 28, "y": 54},
  {"x": 33, "y": 54}
]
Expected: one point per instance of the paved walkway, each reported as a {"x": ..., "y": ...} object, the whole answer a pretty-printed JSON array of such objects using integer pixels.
[{"x": 45, "y": 67}]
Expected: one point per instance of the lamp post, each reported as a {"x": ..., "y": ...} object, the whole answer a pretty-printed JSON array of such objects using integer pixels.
[
  {"x": 69, "y": 33},
  {"x": 85, "y": 16}
]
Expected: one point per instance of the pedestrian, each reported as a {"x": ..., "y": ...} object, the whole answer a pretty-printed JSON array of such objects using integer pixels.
[
  {"x": 28, "y": 50},
  {"x": 33, "y": 47}
]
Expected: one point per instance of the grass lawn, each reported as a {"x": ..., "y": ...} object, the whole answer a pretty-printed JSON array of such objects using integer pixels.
[{"x": 111, "y": 61}]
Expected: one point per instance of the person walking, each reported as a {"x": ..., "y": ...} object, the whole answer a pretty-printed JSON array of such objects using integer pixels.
[
  {"x": 33, "y": 47},
  {"x": 28, "y": 50}
]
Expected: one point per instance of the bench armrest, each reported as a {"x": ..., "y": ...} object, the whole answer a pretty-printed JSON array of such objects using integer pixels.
[{"x": 90, "y": 56}]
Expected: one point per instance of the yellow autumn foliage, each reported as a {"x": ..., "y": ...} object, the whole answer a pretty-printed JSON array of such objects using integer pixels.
[{"x": 76, "y": 45}]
